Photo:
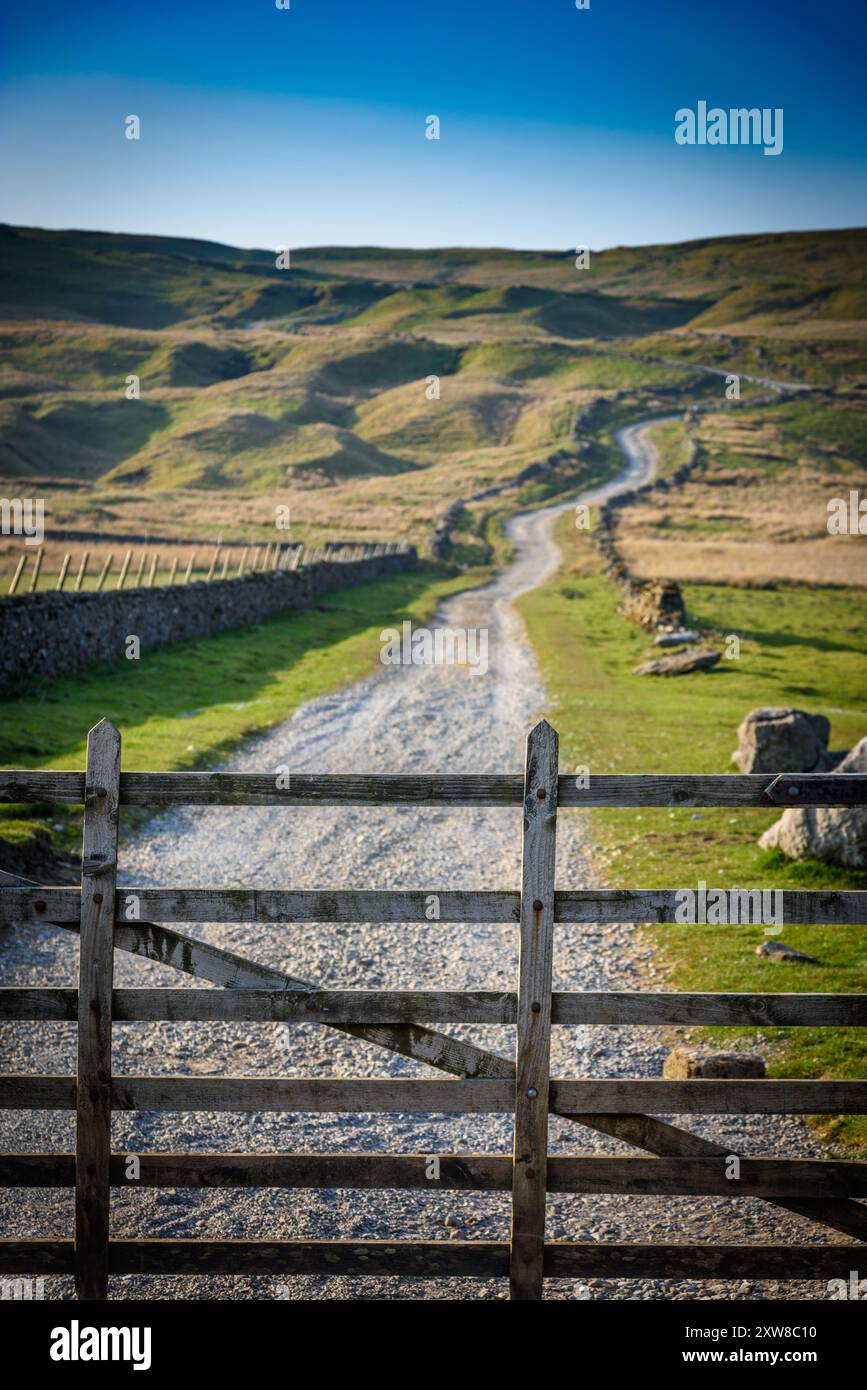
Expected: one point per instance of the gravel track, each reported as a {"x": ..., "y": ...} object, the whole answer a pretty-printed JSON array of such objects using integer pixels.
[{"x": 404, "y": 719}]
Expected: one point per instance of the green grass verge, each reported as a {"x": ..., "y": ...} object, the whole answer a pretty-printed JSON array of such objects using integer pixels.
[
  {"x": 191, "y": 704},
  {"x": 802, "y": 647}
]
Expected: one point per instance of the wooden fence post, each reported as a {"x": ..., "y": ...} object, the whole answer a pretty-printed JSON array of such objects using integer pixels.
[
  {"x": 535, "y": 966},
  {"x": 37, "y": 566},
  {"x": 103, "y": 574},
  {"x": 121, "y": 578},
  {"x": 95, "y": 971},
  {"x": 18, "y": 571}
]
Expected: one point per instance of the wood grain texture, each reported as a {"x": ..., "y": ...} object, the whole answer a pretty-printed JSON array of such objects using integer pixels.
[
  {"x": 707, "y": 790},
  {"x": 29, "y": 1257},
  {"x": 95, "y": 977},
  {"x": 308, "y": 1006},
  {"x": 203, "y": 961},
  {"x": 57, "y": 906},
  {"x": 440, "y": 1258},
  {"x": 286, "y": 906},
  {"x": 625, "y": 1261},
  {"x": 711, "y": 1097},
  {"x": 425, "y": 1172},
  {"x": 26, "y": 1092},
  {"x": 658, "y": 1137},
  {"x": 341, "y": 1006},
  {"x": 533, "y": 1043},
  {"x": 447, "y": 789},
  {"x": 673, "y": 1007},
  {"x": 312, "y": 1095},
  {"x": 659, "y": 905},
  {"x": 169, "y": 945},
  {"x": 311, "y": 789},
  {"x": 410, "y": 1258},
  {"x": 643, "y": 1131},
  {"x": 221, "y": 967},
  {"x": 54, "y": 788},
  {"x": 20, "y": 1004}
]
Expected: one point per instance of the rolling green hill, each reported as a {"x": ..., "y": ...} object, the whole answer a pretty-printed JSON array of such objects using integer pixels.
[{"x": 320, "y": 385}]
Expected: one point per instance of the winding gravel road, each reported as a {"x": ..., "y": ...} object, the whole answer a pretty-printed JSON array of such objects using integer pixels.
[{"x": 404, "y": 719}]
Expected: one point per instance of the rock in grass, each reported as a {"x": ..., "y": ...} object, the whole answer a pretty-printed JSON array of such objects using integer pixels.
[
  {"x": 778, "y": 950},
  {"x": 835, "y": 834},
  {"x": 652, "y": 602},
  {"x": 680, "y": 663},
  {"x": 683, "y": 1064},
  {"x": 783, "y": 740},
  {"x": 677, "y": 638}
]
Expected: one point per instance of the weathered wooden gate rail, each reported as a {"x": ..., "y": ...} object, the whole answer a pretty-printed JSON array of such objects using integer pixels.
[{"x": 106, "y": 918}]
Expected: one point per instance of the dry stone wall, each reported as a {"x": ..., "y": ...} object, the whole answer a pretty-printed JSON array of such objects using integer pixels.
[{"x": 48, "y": 634}]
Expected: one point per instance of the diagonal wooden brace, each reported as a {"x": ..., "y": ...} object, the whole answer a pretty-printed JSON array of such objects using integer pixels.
[{"x": 203, "y": 961}]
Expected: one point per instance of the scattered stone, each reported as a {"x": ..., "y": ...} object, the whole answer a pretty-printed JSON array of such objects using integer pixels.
[
  {"x": 680, "y": 663},
  {"x": 676, "y": 638},
  {"x": 682, "y": 1064},
  {"x": 835, "y": 834},
  {"x": 452, "y": 1221},
  {"x": 784, "y": 740},
  {"x": 657, "y": 603},
  {"x": 778, "y": 951}
]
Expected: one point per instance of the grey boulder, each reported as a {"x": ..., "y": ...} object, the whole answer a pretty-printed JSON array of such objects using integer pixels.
[
  {"x": 784, "y": 740},
  {"x": 835, "y": 834}
]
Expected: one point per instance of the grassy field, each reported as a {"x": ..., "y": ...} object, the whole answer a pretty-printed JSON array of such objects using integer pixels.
[
  {"x": 312, "y": 387},
  {"x": 755, "y": 507},
  {"x": 800, "y": 646},
  {"x": 366, "y": 389},
  {"x": 189, "y": 705}
]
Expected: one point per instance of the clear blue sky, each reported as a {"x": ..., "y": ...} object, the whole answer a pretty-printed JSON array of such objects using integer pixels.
[{"x": 264, "y": 127}]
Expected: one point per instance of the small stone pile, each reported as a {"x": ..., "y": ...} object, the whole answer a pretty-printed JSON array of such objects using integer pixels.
[{"x": 656, "y": 605}]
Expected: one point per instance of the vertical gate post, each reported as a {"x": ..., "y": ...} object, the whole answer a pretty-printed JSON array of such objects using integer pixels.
[
  {"x": 95, "y": 971},
  {"x": 535, "y": 966}
]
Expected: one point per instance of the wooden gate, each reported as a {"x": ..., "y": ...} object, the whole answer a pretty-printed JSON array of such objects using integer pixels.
[{"x": 481, "y": 1081}]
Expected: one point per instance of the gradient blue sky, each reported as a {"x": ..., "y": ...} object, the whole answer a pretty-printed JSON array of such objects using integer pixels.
[{"x": 263, "y": 127}]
